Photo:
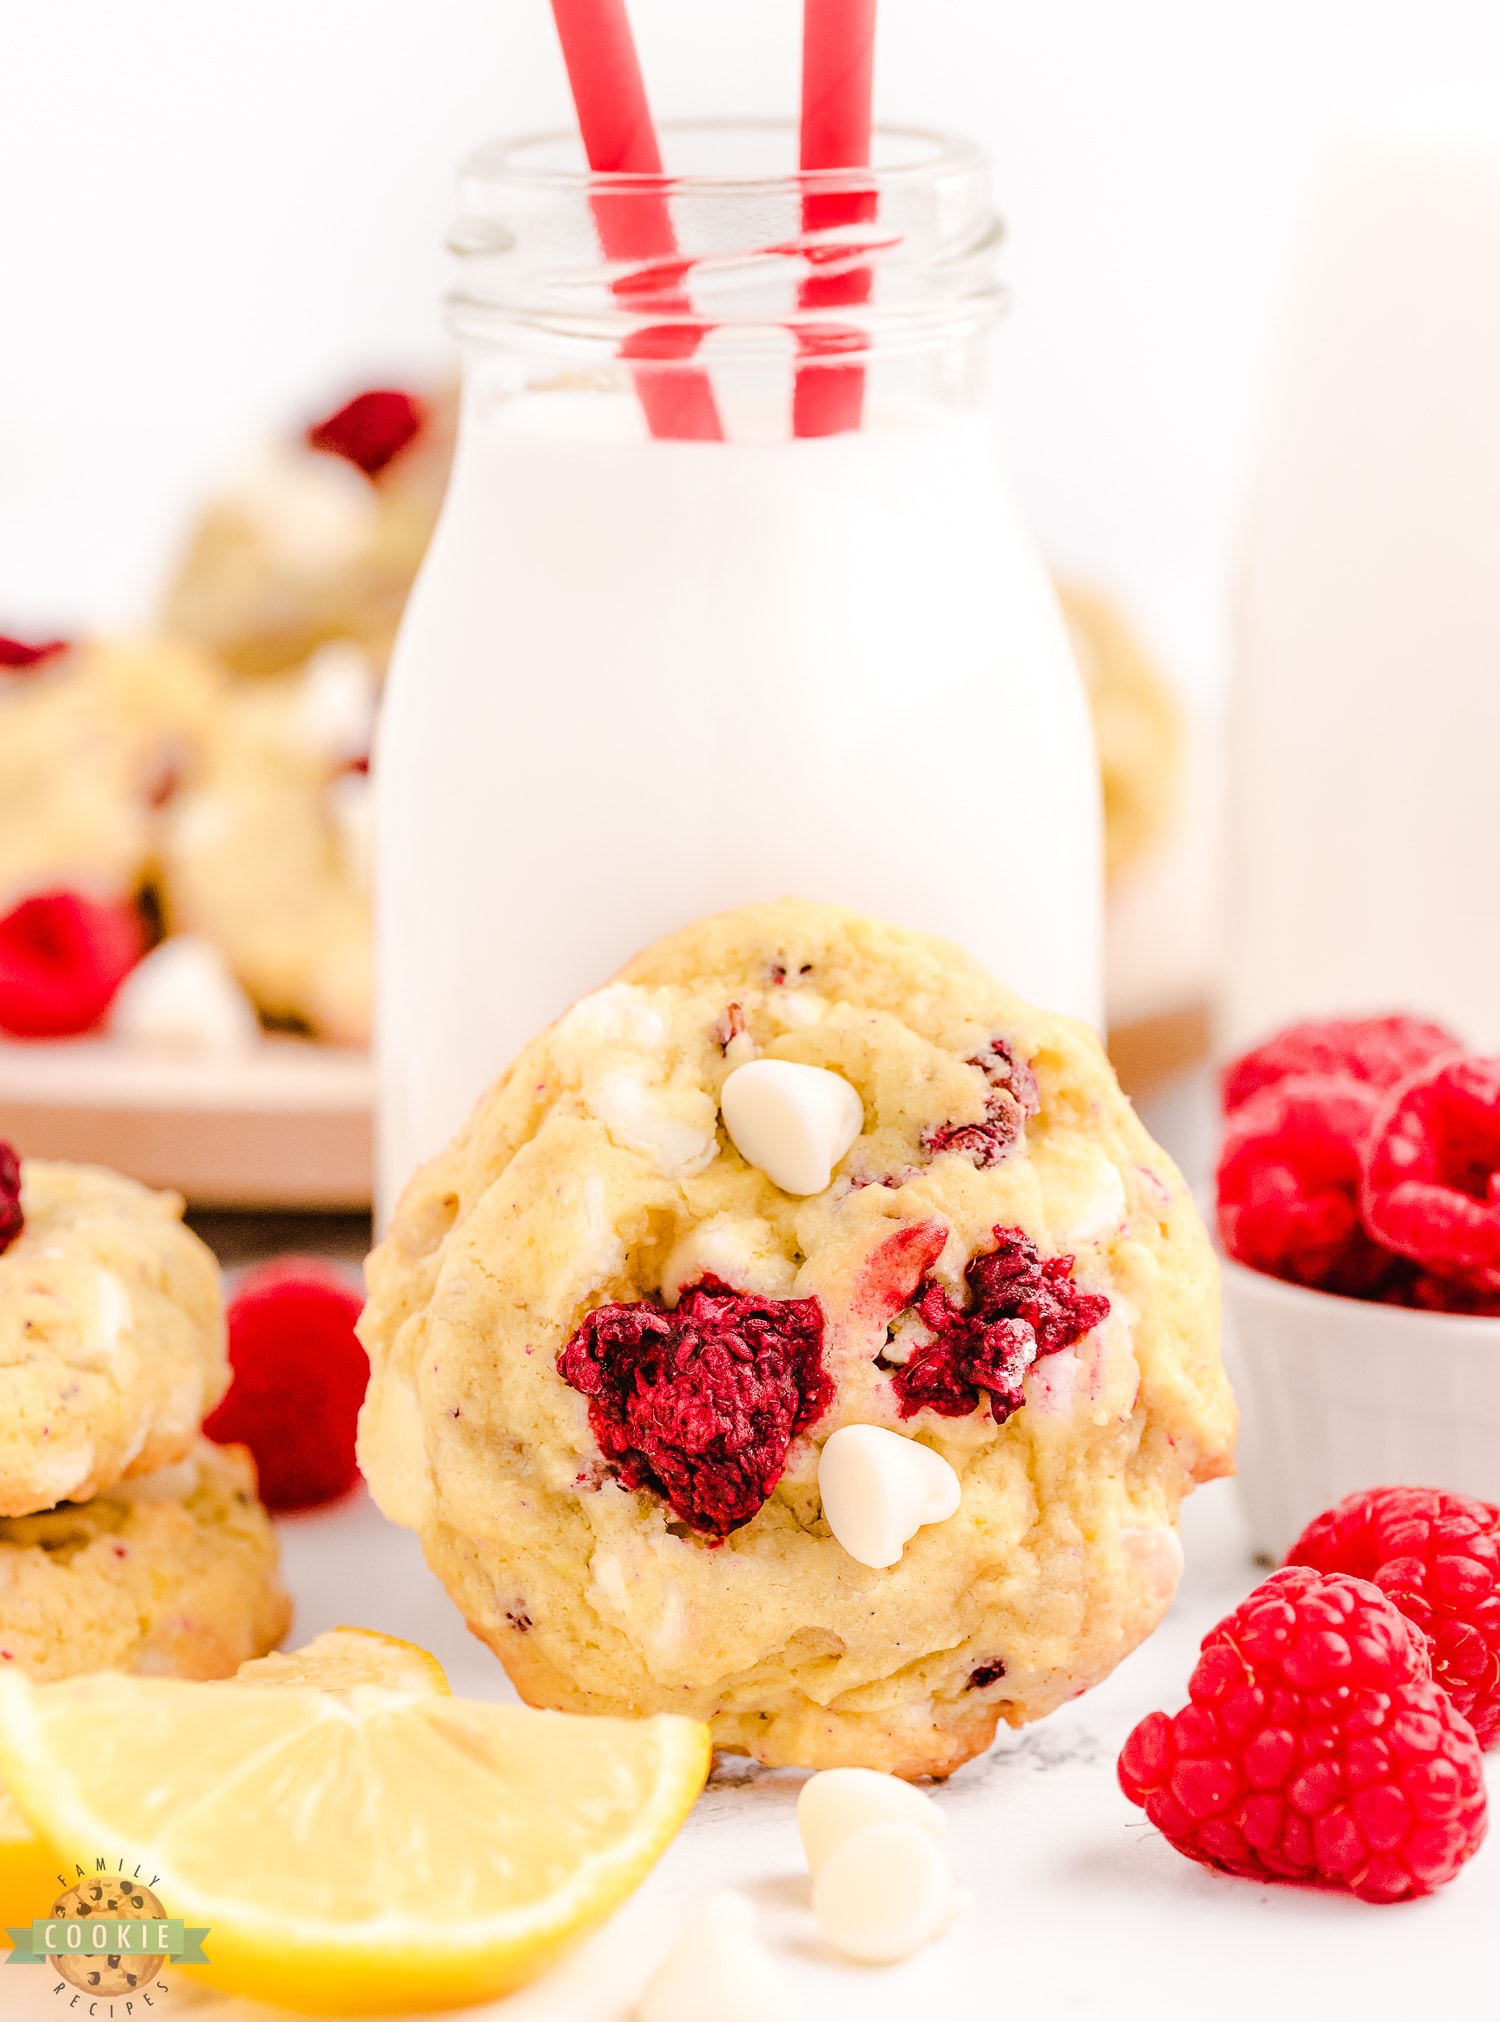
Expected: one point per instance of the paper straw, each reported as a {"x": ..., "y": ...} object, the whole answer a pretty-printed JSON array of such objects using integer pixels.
[
  {"x": 634, "y": 224},
  {"x": 838, "y": 74}
]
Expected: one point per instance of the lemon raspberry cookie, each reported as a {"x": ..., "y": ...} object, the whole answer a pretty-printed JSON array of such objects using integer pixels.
[
  {"x": 173, "y": 1575},
  {"x": 268, "y": 855},
  {"x": 852, "y": 1423},
  {"x": 111, "y": 1334}
]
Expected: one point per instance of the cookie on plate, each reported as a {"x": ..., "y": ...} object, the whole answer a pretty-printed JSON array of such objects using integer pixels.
[
  {"x": 173, "y": 1574},
  {"x": 91, "y": 742},
  {"x": 321, "y": 537},
  {"x": 608, "y": 1351},
  {"x": 268, "y": 855},
  {"x": 111, "y": 1336}
]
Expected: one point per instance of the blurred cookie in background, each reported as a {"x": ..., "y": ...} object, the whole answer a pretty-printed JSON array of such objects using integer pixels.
[
  {"x": 268, "y": 855},
  {"x": 321, "y": 537},
  {"x": 95, "y": 737},
  {"x": 1162, "y": 777}
]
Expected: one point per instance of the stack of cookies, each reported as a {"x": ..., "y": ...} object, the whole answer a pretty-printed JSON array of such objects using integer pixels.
[{"x": 128, "y": 1542}]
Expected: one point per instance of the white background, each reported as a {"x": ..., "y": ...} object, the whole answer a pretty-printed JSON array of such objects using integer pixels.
[{"x": 217, "y": 216}]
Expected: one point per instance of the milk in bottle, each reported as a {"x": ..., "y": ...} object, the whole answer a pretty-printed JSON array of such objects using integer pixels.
[{"x": 642, "y": 680}]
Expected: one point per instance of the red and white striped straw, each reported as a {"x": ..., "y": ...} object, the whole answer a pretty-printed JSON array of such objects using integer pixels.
[
  {"x": 838, "y": 76},
  {"x": 619, "y": 138}
]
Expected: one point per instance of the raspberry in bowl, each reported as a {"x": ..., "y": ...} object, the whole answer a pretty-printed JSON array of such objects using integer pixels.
[{"x": 1359, "y": 1206}]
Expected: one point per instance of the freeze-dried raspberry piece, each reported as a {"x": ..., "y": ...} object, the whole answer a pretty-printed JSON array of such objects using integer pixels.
[
  {"x": 1315, "y": 1747},
  {"x": 12, "y": 1221},
  {"x": 62, "y": 958},
  {"x": 371, "y": 429},
  {"x": 1021, "y": 1306},
  {"x": 1288, "y": 1184},
  {"x": 699, "y": 1405},
  {"x": 1012, "y": 1098},
  {"x": 1432, "y": 1170},
  {"x": 21, "y": 656},
  {"x": 1437, "y": 1556},
  {"x": 1380, "y": 1051}
]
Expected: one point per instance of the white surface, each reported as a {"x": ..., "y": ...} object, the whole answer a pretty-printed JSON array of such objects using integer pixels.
[
  {"x": 1365, "y": 868},
  {"x": 874, "y": 615},
  {"x": 1080, "y": 1909},
  {"x": 1340, "y": 1394}
]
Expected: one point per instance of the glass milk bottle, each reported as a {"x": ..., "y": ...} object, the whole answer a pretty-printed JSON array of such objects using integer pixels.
[
  {"x": 1366, "y": 836},
  {"x": 667, "y": 656}
]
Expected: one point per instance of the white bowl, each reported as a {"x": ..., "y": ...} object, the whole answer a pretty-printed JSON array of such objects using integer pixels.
[{"x": 1341, "y": 1394}]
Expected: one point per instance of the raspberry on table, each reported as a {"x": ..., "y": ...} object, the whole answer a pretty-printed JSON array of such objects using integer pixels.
[
  {"x": 370, "y": 430},
  {"x": 1437, "y": 1556},
  {"x": 1021, "y": 1306},
  {"x": 62, "y": 958},
  {"x": 1431, "y": 1187},
  {"x": 23, "y": 656},
  {"x": 1289, "y": 1184},
  {"x": 1378, "y": 1051},
  {"x": 299, "y": 1377},
  {"x": 1315, "y": 1747},
  {"x": 700, "y": 1404},
  {"x": 12, "y": 1221}
]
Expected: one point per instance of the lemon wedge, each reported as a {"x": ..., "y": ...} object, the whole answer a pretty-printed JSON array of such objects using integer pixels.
[
  {"x": 344, "y": 1657},
  {"x": 29, "y": 1881},
  {"x": 357, "y": 1851}
]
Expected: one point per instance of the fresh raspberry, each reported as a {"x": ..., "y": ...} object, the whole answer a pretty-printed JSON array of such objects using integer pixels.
[
  {"x": 1380, "y": 1051},
  {"x": 370, "y": 430},
  {"x": 1437, "y": 1556},
  {"x": 62, "y": 958},
  {"x": 1011, "y": 1099},
  {"x": 1315, "y": 1747},
  {"x": 1432, "y": 1170},
  {"x": 12, "y": 1221},
  {"x": 700, "y": 1405},
  {"x": 299, "y": 1380},
  {"x": 1021, "y": 1306},
  {"x": 1430, "y": 1292},
  {"x": 21, "y": 656},
  {"x": 1288, "y": 1184}
]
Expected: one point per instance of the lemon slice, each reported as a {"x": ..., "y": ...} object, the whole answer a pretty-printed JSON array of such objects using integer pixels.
[
  {"x": 344, "y": 1657},
  {"x": 354, "y": 1852},
  {"x": 29, "y": 1881}
]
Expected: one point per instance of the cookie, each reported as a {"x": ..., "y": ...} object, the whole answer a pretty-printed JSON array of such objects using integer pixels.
[
  {"x": 1137, "y": 724},
  {"x": 173, "y": 1575},
  {"x": 268, "y": 855},
  {"x": 111, "y": 1336},
  {"x": 311, "y": 546},
  {"x": 91, "y": 743},
  {"x": 607, "y": 1352}
]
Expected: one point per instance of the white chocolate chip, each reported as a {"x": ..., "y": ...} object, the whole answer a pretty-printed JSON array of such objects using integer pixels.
[
  {"x": 883, "y": 1893},
  {"x": 1105, "y": 1209},
  {"x": 620, "y": 1012},
  {"x": 335, "y": 707},
  {"x": 794, "y": 1122},
  {"x": 718, "y": 1971},
  {"x": 675, "y": 1128},
  {"x": 183, "y": 998},
  {"x": 879, "y": 1489},
  {"x": 837, "y": 1803},
  {"x": 739, "y": 1250},
  {"x": 312, "y": 513}
]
